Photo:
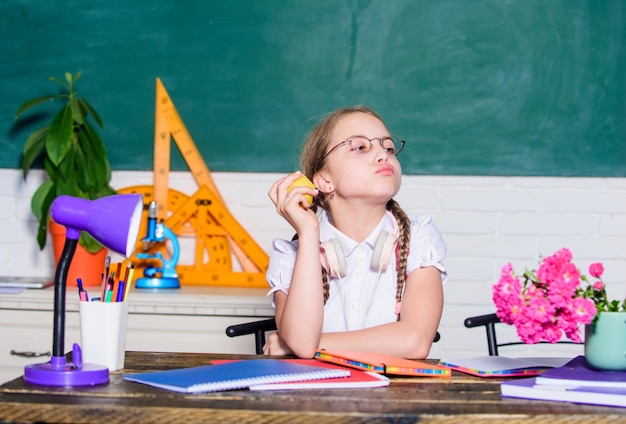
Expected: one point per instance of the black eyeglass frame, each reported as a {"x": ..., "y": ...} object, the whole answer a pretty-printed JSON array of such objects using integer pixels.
[{"x": 395, "y": 139}]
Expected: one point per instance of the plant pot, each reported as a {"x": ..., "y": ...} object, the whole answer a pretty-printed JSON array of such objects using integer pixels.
[
  {"x": 86, "y": 266},
  {"x": 605, "y": 342}
]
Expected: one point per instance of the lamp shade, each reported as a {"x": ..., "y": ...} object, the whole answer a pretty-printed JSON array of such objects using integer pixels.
[{"x": 113, "y": 220}]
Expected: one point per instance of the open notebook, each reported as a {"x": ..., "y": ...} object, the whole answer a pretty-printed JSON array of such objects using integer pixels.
[
  {"x": 501, "y": 366},
  {"x": 233, "y": 375}
]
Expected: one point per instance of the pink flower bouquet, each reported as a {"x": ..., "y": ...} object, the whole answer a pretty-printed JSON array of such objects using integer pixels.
[{"x": 549, "y": 302}]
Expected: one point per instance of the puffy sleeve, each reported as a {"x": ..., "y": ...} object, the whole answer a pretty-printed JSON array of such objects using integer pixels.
[
  {"x": 280, "y": 269},
  {"x": 427, "y": 247}
]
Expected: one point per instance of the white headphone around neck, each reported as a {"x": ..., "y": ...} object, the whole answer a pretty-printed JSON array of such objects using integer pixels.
[{"x": 334, "y": 259}]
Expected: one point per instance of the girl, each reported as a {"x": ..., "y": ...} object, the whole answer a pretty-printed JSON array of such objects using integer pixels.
[{"x": 359, "y": 275}]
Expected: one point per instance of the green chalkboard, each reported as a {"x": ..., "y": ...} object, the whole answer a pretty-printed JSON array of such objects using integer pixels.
[{"x": 481, "y": 87}]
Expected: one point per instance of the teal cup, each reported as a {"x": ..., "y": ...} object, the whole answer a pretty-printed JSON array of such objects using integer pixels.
[{"x": 605, "y": 342}]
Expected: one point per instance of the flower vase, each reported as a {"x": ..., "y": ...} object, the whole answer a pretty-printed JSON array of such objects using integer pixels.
[{"x": 605, "y": 342}]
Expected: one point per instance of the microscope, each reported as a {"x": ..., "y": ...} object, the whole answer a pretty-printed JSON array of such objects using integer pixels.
[{"x": 165, "y": 276}]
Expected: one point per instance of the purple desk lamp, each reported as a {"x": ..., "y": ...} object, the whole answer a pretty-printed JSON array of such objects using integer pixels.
[{"x": 114, "y": 222}]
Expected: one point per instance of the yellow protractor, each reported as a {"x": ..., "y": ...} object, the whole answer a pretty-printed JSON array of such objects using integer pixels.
[
  {"x": 190, "y": 216},
  {"x": 211, "y": 240}
]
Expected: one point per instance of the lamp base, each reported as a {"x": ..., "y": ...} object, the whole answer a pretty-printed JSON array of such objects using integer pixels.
[
  {"x": 157, "y": 283},
  {"x": 58, "y": 372}
]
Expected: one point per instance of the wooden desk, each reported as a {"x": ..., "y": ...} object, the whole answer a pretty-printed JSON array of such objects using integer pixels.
[{"x": 462, "y": 398}]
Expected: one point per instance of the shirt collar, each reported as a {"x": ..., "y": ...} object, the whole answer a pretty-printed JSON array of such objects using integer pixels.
[{"x": 329, "y": 231}]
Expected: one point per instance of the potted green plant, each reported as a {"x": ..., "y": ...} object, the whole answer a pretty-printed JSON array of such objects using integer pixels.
[{"x": 74, "y": 156}]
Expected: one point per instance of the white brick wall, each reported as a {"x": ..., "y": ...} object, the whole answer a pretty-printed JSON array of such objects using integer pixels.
[{"x": 486, "y": 221}]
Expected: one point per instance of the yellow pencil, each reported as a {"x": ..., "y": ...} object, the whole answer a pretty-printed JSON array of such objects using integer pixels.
[{"x": 129, "y": 281}]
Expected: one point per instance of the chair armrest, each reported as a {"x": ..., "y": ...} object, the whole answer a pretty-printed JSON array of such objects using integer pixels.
[
  {"x": 479, "y": 320},
  {"x": 489, "y": 321},
  {"x": 258, "y": 328},
  {"x": 251, "y": 327}
]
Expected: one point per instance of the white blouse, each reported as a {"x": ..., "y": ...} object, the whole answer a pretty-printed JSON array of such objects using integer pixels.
[{"x": 364, "y": 297}]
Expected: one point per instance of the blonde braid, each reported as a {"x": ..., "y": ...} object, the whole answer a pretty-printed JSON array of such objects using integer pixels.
[
  {"x": 325, "y": 285},
  {"x": 404, "y": 238}
]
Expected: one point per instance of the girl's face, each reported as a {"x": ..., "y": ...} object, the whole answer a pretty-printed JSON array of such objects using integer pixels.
[{"x": 354, "y": 171}]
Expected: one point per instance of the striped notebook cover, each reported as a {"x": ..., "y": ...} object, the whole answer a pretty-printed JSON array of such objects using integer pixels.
[
  {"x": 233, "y": 375},
  {"x": 382, "y": 363}
]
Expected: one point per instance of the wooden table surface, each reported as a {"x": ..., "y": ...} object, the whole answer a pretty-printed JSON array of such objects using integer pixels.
[{"x": 462, "y": 398}]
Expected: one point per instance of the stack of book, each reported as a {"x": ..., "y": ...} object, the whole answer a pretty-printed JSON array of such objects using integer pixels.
[{"x": 574, "y": 382}]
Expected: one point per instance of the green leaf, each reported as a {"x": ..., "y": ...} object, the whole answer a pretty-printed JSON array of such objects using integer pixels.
[
  {"x": 106, "y": 191},
  {"x": 33, "y": 148},
  {"x": 68, "y": 181},
  {"x": 61, "y": 82},
  {"x": 60, "y": 135},
  {"x": 87, "y": 164},
  {"x": 70, "y": 188},
  {"x": 92, "y": 138},
  {"x": 95, "y": 157},
  {"x": 93, "y": 112},
  {"x": 42, "y": 235},
  {"x": 40, "y": 205},
  {"x": 85, "y": 173},
  {"x": 79, "y": 111},
  {"x": 89, "y": 243},
  {"x": 34, "y": 102},
  {"x": 76, "y": 76},
  {"x": 51, "y": 169},
  {"x": 38, "y": 201}
]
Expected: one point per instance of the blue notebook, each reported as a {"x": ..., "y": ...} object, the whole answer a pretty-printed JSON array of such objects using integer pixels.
[{"x": 233, "y": 375}]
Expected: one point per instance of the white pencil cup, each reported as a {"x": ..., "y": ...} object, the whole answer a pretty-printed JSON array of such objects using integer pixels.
[{"x": 103, "y": 333}]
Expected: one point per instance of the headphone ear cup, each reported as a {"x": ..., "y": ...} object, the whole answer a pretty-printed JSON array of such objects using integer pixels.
[
  {"x": 333, "y": 258},
  {"x": 383, "y": 249}
]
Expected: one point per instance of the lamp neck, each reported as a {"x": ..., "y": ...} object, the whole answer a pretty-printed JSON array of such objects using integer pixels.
[
  {"x": 72, "y": 233},
  {"x": 60, "y": 282}
]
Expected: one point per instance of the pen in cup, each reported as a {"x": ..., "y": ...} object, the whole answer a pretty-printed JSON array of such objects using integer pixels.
[
  {"x": 82, "y": 293},
  {"x": 120, "y": 292},
  {"x": 121, "y": 288},
  {"x": 105, "y": 277},
  {"x": 129, "y": 281},
  {"x": 108, "y": 291}
]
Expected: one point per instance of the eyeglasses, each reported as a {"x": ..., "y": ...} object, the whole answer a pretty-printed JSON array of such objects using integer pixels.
[{"x": 361, "y": 144}]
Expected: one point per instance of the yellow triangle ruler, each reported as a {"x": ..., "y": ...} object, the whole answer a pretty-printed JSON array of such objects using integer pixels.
[{"x": 203, "y": 215}]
